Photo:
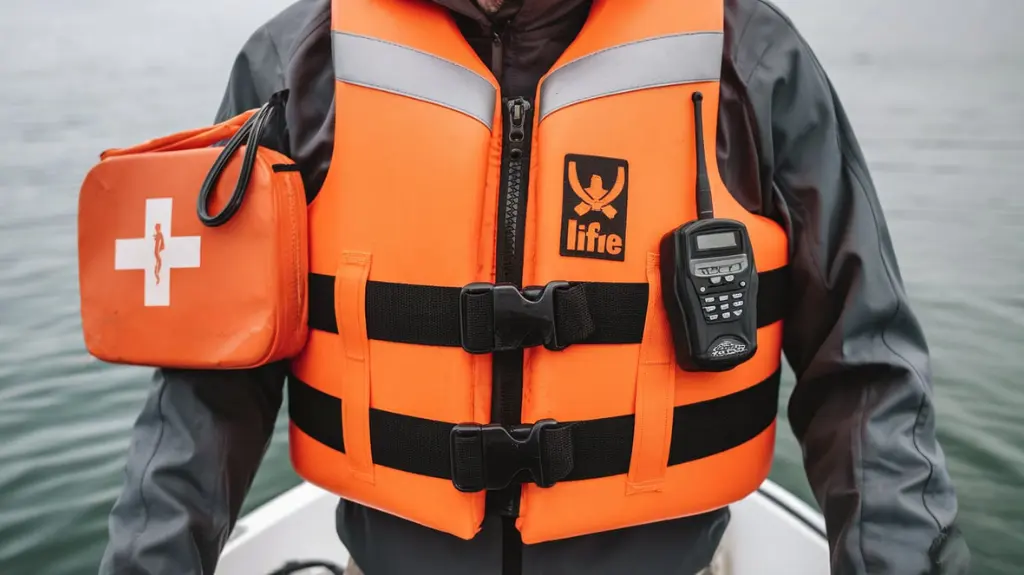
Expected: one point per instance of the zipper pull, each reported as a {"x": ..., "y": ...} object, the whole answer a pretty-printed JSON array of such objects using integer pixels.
[
  {"x": 497, "y": 55},
  {"x": 517, "y": 110},
  {"x": 497, "y": 49}
]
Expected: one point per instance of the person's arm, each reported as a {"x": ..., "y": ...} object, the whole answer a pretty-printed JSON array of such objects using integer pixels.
[
  {"x": 201, "y": 435},
  {"x": 863, "y": 408},
  {"x": 195, "y": 449}
]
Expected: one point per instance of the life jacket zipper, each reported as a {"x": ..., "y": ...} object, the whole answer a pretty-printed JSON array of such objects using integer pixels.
[
  {"x": 515, "y": 178},
  {"x": 507, "y": 366},
  {"x": 507, "y": 390}
]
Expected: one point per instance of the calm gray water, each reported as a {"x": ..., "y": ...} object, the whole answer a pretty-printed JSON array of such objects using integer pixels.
[{"x": 934, "y": 88}]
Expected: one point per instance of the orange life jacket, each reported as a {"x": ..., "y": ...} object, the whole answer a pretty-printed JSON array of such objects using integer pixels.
[{"x": 424, "y": 385}]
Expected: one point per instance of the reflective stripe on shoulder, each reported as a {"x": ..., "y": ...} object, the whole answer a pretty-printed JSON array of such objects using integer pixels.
[
  {"x": 650, "y": 63},
  {"x": 397, "y": 69}
]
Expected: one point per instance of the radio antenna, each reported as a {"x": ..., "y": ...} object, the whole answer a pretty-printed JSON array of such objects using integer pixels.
[{"x": 705, "y": 209}]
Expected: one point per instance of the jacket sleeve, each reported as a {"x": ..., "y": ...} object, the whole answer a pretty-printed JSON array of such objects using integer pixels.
[
  {"x": 201, "y": 435},
  {"x": 862, "y": 408}
]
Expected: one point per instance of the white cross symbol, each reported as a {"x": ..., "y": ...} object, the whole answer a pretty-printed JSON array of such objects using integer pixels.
[{"x": 141, "y": 253}]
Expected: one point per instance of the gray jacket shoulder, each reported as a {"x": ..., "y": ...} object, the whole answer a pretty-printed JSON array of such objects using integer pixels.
[
  {"x": 260, "y": 67},
  {"x": 751, "y": 28},
  {"x": 756, "y": 29},
  {"x": 777, "y": 69}
]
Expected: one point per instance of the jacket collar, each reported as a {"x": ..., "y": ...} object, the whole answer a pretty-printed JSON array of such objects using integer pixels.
[{"x": 521, "y": 15}]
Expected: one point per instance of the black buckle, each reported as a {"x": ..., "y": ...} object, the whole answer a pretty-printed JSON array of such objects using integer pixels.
[
  {"x": 520, "y": 318},
  {"x": 496, "y": 455}
]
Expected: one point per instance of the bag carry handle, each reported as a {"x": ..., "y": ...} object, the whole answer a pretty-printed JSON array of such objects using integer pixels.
[
  {"x": 251, "y": 133},
  {"x": 188, "y": 140}
]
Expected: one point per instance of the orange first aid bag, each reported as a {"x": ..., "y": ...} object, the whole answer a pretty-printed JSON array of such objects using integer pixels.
[{"x": 163, "y": 283}]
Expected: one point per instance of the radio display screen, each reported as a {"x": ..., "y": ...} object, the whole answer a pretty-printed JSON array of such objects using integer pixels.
[{"x": 716, "y": 241}]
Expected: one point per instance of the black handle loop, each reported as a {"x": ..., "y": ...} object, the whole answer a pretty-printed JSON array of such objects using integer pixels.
[{"x": 251, "y": 133}]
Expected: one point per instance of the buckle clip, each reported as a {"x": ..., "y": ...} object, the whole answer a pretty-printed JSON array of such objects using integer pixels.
[
  {"x": 496, "y": 455},
  {"x": 520, "y": 318}
]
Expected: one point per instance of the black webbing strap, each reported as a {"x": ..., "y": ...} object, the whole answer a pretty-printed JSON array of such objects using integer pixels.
[
  {"x": 583, "y": 312},
  {"x": 568, "y": 450}
]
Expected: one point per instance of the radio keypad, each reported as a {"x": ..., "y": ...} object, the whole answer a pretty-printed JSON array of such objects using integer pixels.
[{"x": 727, "y": 302}]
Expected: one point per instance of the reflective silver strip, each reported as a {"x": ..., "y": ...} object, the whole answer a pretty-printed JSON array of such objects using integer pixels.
[
  {"x": 381, "y": 65},
  {"x": 661, "y": 61}
]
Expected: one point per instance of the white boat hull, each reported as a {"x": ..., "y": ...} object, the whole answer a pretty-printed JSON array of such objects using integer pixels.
[{"x": 771, "y": 532}]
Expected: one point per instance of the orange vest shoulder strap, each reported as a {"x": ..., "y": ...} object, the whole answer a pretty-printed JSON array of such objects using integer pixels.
[{"x": 423, "y": 26}]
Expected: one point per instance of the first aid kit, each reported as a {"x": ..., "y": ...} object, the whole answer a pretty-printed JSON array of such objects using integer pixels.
[{"x": 192, "y": 249}]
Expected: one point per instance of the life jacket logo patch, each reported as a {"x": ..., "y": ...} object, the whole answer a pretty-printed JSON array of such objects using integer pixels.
[{"x": 594, "y": 199}]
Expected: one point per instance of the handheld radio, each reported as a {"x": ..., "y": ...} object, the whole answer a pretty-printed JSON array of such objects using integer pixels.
[{"x": 709, "y": 281}]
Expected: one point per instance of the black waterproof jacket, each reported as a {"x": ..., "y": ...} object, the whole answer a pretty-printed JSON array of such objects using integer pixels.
[{"x": 862, "y": 408}]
